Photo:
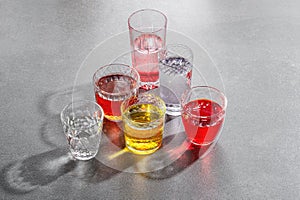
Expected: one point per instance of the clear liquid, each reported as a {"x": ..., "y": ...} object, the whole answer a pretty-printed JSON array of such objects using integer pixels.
[
  {"x": 145, "y": 59},
  {"x": 175, "y": 78},
  {"x": 83, "y": 135}
]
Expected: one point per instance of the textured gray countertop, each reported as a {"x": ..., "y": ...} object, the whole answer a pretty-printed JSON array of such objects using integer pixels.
[{"x": 256, "y": 46}]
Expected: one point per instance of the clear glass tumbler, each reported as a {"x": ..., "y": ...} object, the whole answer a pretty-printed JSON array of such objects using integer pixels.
[
  {"x": 175, "y": 73},
  {"x": 143, "y": 121},
  {"x": 112, "y": 84},
  {"x": 82, "y": 123},
  {"x": 203, "y": 114},
  {"x": 147, "y": 31}
]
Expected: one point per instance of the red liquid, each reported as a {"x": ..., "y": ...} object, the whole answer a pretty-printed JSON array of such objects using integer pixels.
[
  {"x": 145, "y": 58},
  {"x": 111, "y": 92},
  {"x": 202, "y": 130},
  {"x": 110, "y": 108}
]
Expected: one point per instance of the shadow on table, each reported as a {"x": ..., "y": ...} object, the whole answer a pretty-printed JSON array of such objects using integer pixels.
[
  {"x": 191, "y": 154},
  {"x": 114, "y": 154},
  {"x": 175, "y": 155},
  {"x": 40, "y": 170},
  {"x": 26, "y": 175},
  {"x": 113, "y": 131},
  {"x": 50, "y": 106}
]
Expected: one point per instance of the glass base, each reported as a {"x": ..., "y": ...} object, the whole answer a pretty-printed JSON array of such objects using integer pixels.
[
  {"x": 83, "y": 156},
  {"x": 200, "y": 144},
  {"x": 173, "y": 109},
  {"x": 113, "y": 118},
  {"x": 142, "y": 152}
]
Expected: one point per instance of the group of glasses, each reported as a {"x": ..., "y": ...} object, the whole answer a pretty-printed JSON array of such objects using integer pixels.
[{"x": 157, "y": 83}]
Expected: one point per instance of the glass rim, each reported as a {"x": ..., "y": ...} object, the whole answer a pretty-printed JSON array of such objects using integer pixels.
[
  {"x": 223, "y": 97},
  {"x": 179, "y": 44},
  {"x": 116, "y": 64},
  {"x": 168, "y": 46},
  {"x": 147, "y": 9},
  {"x": 168, "y": 49},
  {"x": 62, "y": 115},
  {"x": 164, "y": 108}
]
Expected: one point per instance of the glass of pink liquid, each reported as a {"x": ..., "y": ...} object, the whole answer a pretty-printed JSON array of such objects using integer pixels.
[
  {"x": 147, "y": 31},
  {"x": 203, "y": 114},
  {"x": 114, "y": 83}
]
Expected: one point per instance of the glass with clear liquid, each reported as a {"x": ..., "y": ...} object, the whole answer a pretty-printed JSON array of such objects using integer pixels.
[
  {"x": 175, "y": 73},
  {"x": 82, "y": 124}
]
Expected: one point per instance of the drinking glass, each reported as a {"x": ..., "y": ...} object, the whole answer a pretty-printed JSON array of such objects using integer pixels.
[
  {"x": 175, "y": 73},
  {"x": 147, "y": 32},
  {"x": 143, "y": 120},
  {"x": 112, "y": 84},
  {"x": 82, "y": 124},
  {"x": 203, "y": 114}
]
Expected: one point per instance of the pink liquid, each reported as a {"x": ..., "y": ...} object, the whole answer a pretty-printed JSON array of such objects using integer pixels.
[
  {"x": 145, "y": 59},
  {"x": 203, "y": 130}
]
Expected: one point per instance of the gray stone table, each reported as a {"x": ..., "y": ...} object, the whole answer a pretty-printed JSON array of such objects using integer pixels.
[{"x": 256, "y": 46}]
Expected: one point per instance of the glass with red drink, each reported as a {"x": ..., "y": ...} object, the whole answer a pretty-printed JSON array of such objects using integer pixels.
[
  {"x": 203, "y": 114},
  {"x": 147, "y": 31},
  {"x": 112, "y": 84}
]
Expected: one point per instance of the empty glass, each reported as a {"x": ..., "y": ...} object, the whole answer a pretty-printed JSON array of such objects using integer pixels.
[{"x": 82, "y": 123}]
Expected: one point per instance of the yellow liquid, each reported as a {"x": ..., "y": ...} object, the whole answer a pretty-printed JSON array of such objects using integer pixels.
[{"x": 143, "y": 128}]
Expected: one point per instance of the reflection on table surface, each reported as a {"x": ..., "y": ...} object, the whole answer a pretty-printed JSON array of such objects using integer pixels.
[{"x": 175, "y": 150}]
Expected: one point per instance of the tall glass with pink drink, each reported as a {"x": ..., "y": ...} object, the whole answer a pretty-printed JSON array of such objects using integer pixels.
[{"x": 147, "y": 31}]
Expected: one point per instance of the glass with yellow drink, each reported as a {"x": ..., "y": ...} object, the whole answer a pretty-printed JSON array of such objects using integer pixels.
[{"x": 143, "y": 120}]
